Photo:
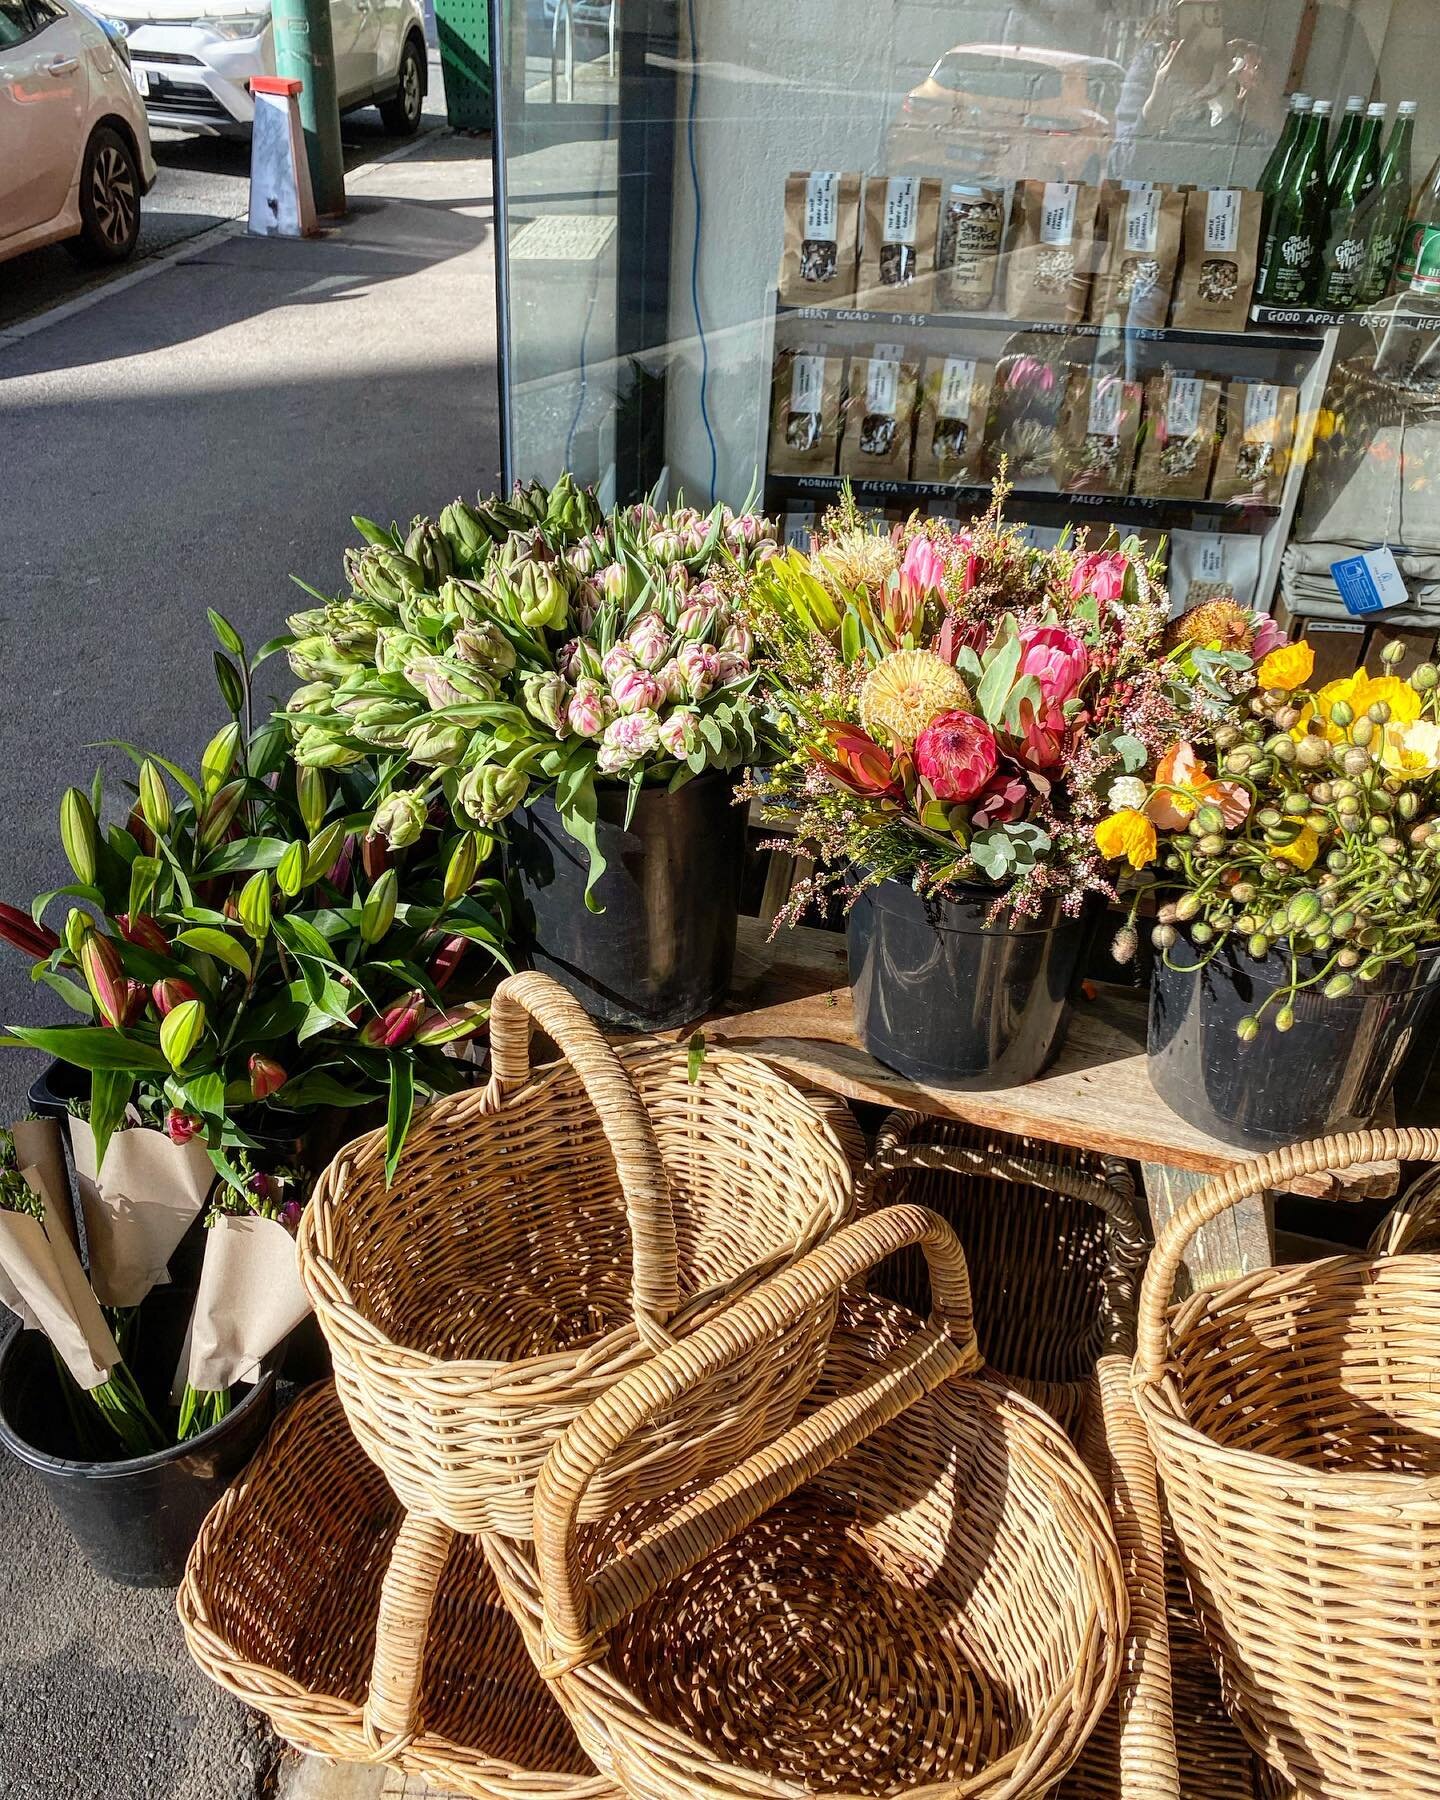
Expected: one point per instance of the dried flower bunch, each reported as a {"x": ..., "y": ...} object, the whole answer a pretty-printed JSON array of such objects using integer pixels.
[
  {"x": 1305, "y": 825},
  {"x": 958, "y": 707}
]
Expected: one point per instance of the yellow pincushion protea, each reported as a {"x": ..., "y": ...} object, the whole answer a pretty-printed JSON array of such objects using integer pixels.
[
  {"x": 1218, "y": 623},
  {"x": 905, "y": 691},
  {"x": 857, "y": 559}
]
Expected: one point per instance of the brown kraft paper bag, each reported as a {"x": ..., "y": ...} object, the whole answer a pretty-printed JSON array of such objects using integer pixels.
[
  {"x": 805, "y": 412},
  {"x": 249, "y": 1300},
  {"x": 897, "y": 255},
  {"x": 1219, "y": 256},
  {"x": 41, "y": 1268},
  {"x": 138, "y": 1208},
  {"x": 1052, "y": 246},
  {"x": 1139, "y": 232},
  {"x": 1182, "y": 426},
  {"x": 1099, "y": 428},
  {"x": 950, "y": 424},
  {"x": 822, "y": 239},
  {"x": 39, "y": 1142},
  {"x": 880, "y": 415},
  {"x": 1258, "y": 430}
]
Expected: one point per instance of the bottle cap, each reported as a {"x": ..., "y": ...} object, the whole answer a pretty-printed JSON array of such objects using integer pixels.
[
  {"x": 1356, "y": 103},
  {"x": 1300, "y": 103},
  {"x": 1376, "y": 109},
  {"x": 1409, "y": 108},
  {"x": 1324, "y": 108}
]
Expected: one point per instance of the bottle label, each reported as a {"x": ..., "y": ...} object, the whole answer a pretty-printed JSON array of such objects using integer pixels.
[
  {"x": 1222, "y": 221},
  {"x": 902, "y": 208},
  {"x": 1057, "y": 215},
  {"x": 1345, "y": 263},
  {"x": 822, "y": 208},
  {"x": 1420, "y": 259},
  {"x": 807, "y": 383},
  {"x": 1142, "y": 221},
  {"x": 1289, "y": 264},
  {"x": 957, "y": 385},
  {"x": 882, "y": 380},
  {"x": 1182, "y": 408}
]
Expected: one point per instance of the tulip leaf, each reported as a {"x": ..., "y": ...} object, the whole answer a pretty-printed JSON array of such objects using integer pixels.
[
  {"x": 401, "y": 1110},
  {"x": 109, "y": 1096},
  {"x": 225, "y": 633},
  {"x": 372, "y": 534},
  {"x": 220, "y": 945},
  {"x": 695, "y": 1058},
  {"x": 91, "y": 1047},
  {"x": 576, "y": 804}
]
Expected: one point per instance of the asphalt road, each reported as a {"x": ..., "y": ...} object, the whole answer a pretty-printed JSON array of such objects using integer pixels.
[{"x": 202, "y": 182}]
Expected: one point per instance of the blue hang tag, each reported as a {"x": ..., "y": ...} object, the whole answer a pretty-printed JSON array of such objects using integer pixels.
[{"x": 1370, "y": 583}]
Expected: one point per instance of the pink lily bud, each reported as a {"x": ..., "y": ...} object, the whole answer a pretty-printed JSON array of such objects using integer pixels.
[
  {"x": 180, "y": 1127},
  {"x": 446, "y": 961},
  {"x": 452, "y": 1027},
  {"x": 396, "y": 1025},
  {"x": 142, "y": 930},
  {"x": 266, "y": 1077},
  {"x": 374, "y": 855},
  {"x": 20, "y": 929},
  {"x": 137, "y": 997},
  {"x": 170, "y": 993},
  {"x": 105, "y": 977}
]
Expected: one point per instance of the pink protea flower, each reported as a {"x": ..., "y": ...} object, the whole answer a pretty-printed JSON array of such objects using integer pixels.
[
  {"x": 591, "y": 708},
  {"x": 1057, "y": 659},
  {"x": 957, "y": 755},
  {"x": 649, "y": 639},
  {"x": 1043, "y": 737},
  {"x": 1101, "y": 574},
  {"x": 627, "y": 741},
  {"x": 635, "y": 690},
  {"x": 699, "y": 663},
  {"x": 923, "y": 570},
  {"x": 680, "y": 731},
  {"x": 1004, "y": 797}
]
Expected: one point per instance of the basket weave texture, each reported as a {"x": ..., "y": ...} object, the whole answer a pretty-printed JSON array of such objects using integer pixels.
[
  {"x": 1295, "y": 1419},
  {"x": 280, "y": 1603},
  {"x": 916, "y": 1590},
  {"x": 547, "y": 1233}
]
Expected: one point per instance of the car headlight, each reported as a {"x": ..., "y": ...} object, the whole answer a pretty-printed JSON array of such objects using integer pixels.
[{"x": 247, "y": 25}]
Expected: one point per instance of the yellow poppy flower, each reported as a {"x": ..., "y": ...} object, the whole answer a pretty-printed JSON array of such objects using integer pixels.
[
  {"x": 1302, "y": 852},
  {"x": 1360, "y": 692},
  {"x": 1129, "y": 834},
  {"x": 1411, "y": 751},
  {"x": 1287, "y": 668}
]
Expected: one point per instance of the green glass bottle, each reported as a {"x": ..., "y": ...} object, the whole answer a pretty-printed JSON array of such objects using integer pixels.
[
  {"x": 1392, "y": 207},
  {"x": 1299, "y": 112},
  {"x": 1352, "y": 217},
  {"x": 1346, "y": 139},
  {"x": 1293, "y": 254}
]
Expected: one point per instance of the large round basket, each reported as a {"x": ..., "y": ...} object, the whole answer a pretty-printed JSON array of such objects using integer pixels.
[
  {"x": 550, "y": 1231},
  {"x": 916, "y": 1589},
  {"x": 281, "y": 1604},
  {"x": 1295, "y": 1419}
]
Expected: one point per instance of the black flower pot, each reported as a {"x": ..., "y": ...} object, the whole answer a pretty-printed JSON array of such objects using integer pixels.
[
  {"x": 52, "y": 1090},
  {"x": 662, "y": 951},
  {"x": 1330, "y": 1072},
  {"x": 950, "y": 999},
  {"x": 133, "y": 1519}
]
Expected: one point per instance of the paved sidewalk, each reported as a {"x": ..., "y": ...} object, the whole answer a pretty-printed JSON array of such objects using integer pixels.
[{"x": 192, "y": 439}]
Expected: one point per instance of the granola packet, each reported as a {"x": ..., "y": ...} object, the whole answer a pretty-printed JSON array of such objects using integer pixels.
[
  {"x": 1052, "y": 238},
  {"x": 1139, "y": 227},
  {"x": 1099, "y": 427},
  {"x": 880, "y": 415},
  {"x": 1219, "y": 257},
  {"x": 1213, "y": 565},
  {"x": 822, "y": 239},
  {"x": 950, "y": 423},
  {"x": 897, "y": 255},
  {"x": 805, "y": 412},
  {"x": 1257, "y": 432},
  {"x": 1177, "y": 448}
]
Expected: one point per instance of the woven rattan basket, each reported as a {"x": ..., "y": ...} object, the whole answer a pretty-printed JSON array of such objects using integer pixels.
[
  {"x": 280, "y": 1604},
  {"x": 1295, "y": 1419},
  {"x": 547, "y": 1233},
  {"x": 916, "y": 1589}
]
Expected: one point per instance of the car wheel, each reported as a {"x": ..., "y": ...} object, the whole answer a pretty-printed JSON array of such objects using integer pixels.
[
  {"x": 401, "y": 115},
  {"x": 109, "y": 200}
]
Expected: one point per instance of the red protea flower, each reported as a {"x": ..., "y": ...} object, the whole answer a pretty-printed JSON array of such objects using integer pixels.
[
  {"x": 858, "y": 763},
  {"x": 957, "y": 755}
]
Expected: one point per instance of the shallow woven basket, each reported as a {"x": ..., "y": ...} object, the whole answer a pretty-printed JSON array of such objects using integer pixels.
[
  {"x": 547, "y": 1233},
  {"x": 1056, "y": 1233},
  {"x": 1295, "y": 1419},
  {"x": 915, "y": 1590},
  {"x": 280, "y": 1604}
]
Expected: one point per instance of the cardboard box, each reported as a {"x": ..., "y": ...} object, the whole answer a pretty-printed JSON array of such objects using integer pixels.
[{"x": 1338, "y": 646}]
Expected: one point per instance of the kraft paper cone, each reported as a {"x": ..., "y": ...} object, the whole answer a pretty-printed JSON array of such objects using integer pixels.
[
  {"x": 12, "y": 1299},
  {"x": 250, "y": 1297},
  {"x": 41, "y": 1263},
  {"x": 140, "y": 1207},
  {"x": 39, "y": 1144}
]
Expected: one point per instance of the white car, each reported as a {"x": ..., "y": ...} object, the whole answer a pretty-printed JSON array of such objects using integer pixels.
[
  {"x": 194, "y": 59},
  {"x": 74, "y": 147}
]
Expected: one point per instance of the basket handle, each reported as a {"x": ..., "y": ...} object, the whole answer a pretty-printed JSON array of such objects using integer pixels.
[
  {"x": 519, "y": 999},
  {"x": 397, "y": 1671},
  {"x": 579, "y": 1611},
  {"x": 1243, "y": 1182}
]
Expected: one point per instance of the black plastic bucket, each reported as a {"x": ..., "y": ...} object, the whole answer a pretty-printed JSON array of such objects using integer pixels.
[
  {"x": 951, "y": 1000},
  {"x": 1331, "y": 1072},
  {"x": 662, "y": 951},
  {"x": 134, "y": 1521}
]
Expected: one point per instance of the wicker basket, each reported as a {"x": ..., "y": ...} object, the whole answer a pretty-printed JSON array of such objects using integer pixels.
[
  {"x": 1056, "y": 1233},
  {"x": 1295, "y": 1419},
  {"x": 872, "y": 1604},
  {"x": 280, "y": 1604},
  {"x": 549, "y": 1232}
]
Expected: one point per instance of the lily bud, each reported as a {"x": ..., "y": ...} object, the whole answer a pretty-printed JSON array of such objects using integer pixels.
[
  {"x": 266, "y": 1077},
  {"x": 219, "y": 757},
  {"x": 460, "y": 870},
  {"x": 446, "y": 961},
  {"x": 181, "y": 1031},
  {"x": 374, "y": 855},
  {"x": 290, "y": 870},
  {"x": 396, "y": 1025},
  {"x": 324, "y": 851},
  {"x": 142, "y": 931},
  {"x": 78, "y": 833},
  {"x": 312, "y": 795},
  {"x": 219, "y": 815},
  {"x": 377, "y": 915},
  {"x": 20, "y": 929},
  {"x": 180, "y": 1127},
  {"x": 105, "y": 977},
  {"x": 170, "y": 993},
  {"x": 254, "y": 905},
  {"x": 454, "y": 1025},
  {"x": 154, "y": 798},
  {"x": 78, "y": 925}
]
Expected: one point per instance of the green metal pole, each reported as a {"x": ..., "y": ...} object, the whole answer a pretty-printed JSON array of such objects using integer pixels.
[{"x": 305, "y": 51}]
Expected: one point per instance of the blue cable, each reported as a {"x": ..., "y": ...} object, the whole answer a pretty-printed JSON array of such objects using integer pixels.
[
  {"x": 695, "y": 254},
  {"x": 584, "y": 337}
]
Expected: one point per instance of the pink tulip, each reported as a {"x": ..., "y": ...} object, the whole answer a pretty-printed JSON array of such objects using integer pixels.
[
  {"x": 591, "y": 708},
  {"x": 634, "y": 690},
  {"x": 1057, "y": 659},
  {"x": 957, "y": 755},
  {"x": 616, "y": 660},
  {"x": 649, "y": 639},
  {"x": 730, "y": 667},
  {"x": 699, "y": 663},
  {"x": 627, "y": 741},
  {"x": 680, "y": 731}
]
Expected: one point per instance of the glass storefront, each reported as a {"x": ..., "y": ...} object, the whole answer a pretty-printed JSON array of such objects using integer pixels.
[{"x": 1098, "y": 244}]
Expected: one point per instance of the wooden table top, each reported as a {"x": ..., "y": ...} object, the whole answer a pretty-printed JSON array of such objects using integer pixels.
[{"x": 790, "y": 1003}]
